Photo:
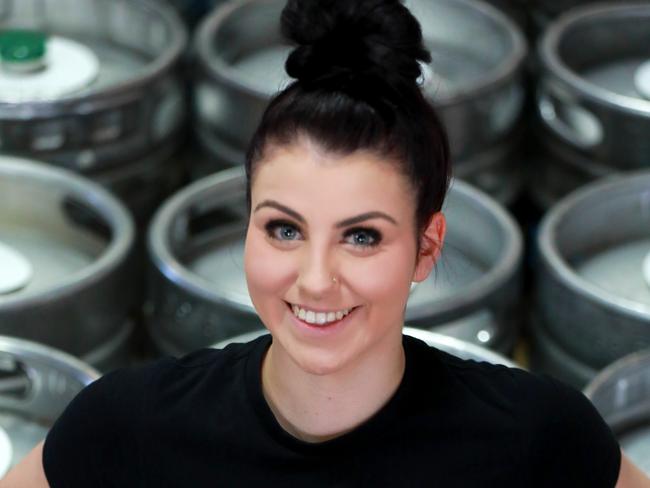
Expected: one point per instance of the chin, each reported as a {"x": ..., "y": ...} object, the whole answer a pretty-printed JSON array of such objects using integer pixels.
[
  {"x": 319, "y": 366},
  {"x": 315, "y": 360}
]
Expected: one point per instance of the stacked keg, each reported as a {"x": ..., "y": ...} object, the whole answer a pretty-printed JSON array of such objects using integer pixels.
[
  {"x": 592, "y": 303},
  {"x": 36, "y": 384},
  {"x": 593, "y": 279},
  {"x": 198, "y": 293},
  {"x": 192, "y": 11},
  {"x": 474, "y": 81},
  {"x": 593, "y": 103},
  {"x": 66, "y": 257},
  {"x": 621, "y": 393},
  {"x": 91, "y": 86}
]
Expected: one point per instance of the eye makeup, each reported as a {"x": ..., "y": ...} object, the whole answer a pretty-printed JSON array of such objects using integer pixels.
[{"x": 374, "y": 237}]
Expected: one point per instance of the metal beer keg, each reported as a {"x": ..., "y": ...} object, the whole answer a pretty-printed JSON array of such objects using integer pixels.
[
  {"x": 621, "y": 393},
  {"x": 593, "y": 102},
  {"x": 474, "y": 82},
  {"x": 36, "y": 384},
  {"x": 592, "y": 291},
  {"x": 65, "y": 256},
  {"x": 198, "y": 293},
  {"x": 451, "y": 345},
  {"x": 91, "y": 85}
]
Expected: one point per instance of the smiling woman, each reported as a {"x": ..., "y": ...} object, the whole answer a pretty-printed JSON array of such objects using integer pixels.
[{"x": 347, "y": 173}]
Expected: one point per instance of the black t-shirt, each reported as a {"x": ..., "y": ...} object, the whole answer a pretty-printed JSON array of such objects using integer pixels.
[{"x": 202, "y": 421}]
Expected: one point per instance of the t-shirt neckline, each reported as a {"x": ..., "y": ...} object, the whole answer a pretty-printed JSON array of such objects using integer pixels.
[{"x": 389, "y": 411}]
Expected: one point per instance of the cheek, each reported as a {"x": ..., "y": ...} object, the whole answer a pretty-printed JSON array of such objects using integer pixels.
[
  {"x": 384, "y": 279},
  {"x": 267, "y": 270}
]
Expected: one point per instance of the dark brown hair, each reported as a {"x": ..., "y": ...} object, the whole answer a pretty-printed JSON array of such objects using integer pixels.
[{"x": 356, "y": 67}]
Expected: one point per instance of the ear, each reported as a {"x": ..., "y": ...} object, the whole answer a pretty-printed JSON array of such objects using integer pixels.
[{"x": 430, "y": 246}]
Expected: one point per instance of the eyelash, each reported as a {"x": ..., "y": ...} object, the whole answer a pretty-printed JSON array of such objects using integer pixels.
[{"x": 374, "y": 235}]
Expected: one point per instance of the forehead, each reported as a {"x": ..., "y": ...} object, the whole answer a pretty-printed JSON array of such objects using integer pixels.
[{"x": 304, "y": 175}]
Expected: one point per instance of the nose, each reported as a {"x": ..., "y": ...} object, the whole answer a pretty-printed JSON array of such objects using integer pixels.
[{"x": 316, "y": 271}]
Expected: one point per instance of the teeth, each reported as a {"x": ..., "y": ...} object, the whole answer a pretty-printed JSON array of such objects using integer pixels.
[{"x": 319, "y": 318}]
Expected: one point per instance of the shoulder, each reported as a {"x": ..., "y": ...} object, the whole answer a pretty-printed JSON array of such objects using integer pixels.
[
  {"x": 128, "y": 390},
  {"x": 561, "y": 438},
  {"x": 101, "y": 430}
]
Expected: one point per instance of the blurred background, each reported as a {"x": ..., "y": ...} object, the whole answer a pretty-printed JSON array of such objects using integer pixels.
[{"x": 123, "y": 128}]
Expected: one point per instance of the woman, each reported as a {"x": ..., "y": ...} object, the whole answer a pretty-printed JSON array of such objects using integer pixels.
[{"x": 347, "y": 174}]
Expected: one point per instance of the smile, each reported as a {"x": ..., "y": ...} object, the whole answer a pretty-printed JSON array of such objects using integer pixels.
[{"x": 319, "y": 318}]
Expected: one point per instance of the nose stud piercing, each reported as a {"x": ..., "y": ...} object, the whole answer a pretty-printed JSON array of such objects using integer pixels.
[{"x": 334, "y": 280}]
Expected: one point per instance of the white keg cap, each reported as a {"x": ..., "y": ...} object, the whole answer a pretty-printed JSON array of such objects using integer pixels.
[
  {"x": 6, "y": 453},
  {"x": 15, "y": 270},
  {"x": 646, "y": 269},
  {"x": 69, "y": 66},
  {"x": 642, "y": 79}
]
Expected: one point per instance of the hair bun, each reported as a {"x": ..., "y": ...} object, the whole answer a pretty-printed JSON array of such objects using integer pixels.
[{"x": 348, "y": 38}]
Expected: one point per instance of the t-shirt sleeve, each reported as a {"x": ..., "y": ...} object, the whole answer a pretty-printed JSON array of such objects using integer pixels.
[
  {"x": 93, "y": 443},
  {"x": 570, "y": 444}
]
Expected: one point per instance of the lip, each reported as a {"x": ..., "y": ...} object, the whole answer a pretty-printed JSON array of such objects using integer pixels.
[
  {"x": 319, "y": 310},
  {"x": 330, "y": 328}
]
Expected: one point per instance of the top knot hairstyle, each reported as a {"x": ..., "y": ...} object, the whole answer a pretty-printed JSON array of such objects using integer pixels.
[{"x": 356, "y": 66}]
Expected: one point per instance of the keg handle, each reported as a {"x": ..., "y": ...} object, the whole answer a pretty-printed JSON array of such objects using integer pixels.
[
  {"x": 571, "y": 122},
  {"x": 36, "y": 387}
]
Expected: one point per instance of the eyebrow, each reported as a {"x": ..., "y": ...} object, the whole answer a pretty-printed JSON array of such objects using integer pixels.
[{"x": 343, "y": 223}]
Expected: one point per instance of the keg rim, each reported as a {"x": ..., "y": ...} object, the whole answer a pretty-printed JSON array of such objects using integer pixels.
[
  {"x": 433, "y": 339},
  {"x": 158, "y": 245},
  {"x": 64, "y": 362},
  {"x": 221, "y": 71},
  {"x": 473, "y": 296},
  {"x": 556, "y": 68},
  {"x": 610, "y": 373},
  {"x": 558, "y": 266},
  {"x": 117, "y": 249},
  {"x": 120, "y": 90}
]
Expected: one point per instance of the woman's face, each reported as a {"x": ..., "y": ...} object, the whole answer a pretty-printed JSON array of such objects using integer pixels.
[{"x": 315, "y": 216}]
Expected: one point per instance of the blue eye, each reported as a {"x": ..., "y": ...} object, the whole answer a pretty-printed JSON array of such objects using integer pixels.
[
  {"x": 282, "y": 231},
  {"x": 285, "y": 231},
  {"x": 364, "y": 237}
]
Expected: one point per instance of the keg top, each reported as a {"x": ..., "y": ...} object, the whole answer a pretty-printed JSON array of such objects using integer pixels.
[
  {"x": 6, "y": 452},
  {"x": 563, "y": 55},
  {"x": 144, "y": 32},
  {"x": 63, "y": 67},
  {"x": 38, "y": 383},
  {"x": 16, "y": 269},
  {"x": 595, "y": 206},
  {"x": 642, "y": 79},
  {"x": 22, "y": 46},
  {"x": 59, "y": 185}
]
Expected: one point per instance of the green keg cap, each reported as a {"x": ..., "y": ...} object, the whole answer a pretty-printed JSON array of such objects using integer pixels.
[{"x": 22, "y": 46}]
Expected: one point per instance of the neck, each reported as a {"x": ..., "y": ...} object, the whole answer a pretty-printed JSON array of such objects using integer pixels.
[{"x": 319, "y": 407}]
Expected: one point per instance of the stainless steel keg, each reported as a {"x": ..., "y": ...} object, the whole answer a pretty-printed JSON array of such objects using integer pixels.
[
  {"x": 474, "y": 82},
  {"x": 593, "y": 97},
  {"x": 193, "y": 10},
  {"x": 91, "y": 85},
  {"x": 621, "y": 393},
  {"x": 548, "y": 356},
  {"x": 36, "y": 384},
  {"x": 451, "y": 345},
  {"x": 198, "y": 293},
  {"x": 65, "y": 253},
  {"x": 593, "y": 292}
]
